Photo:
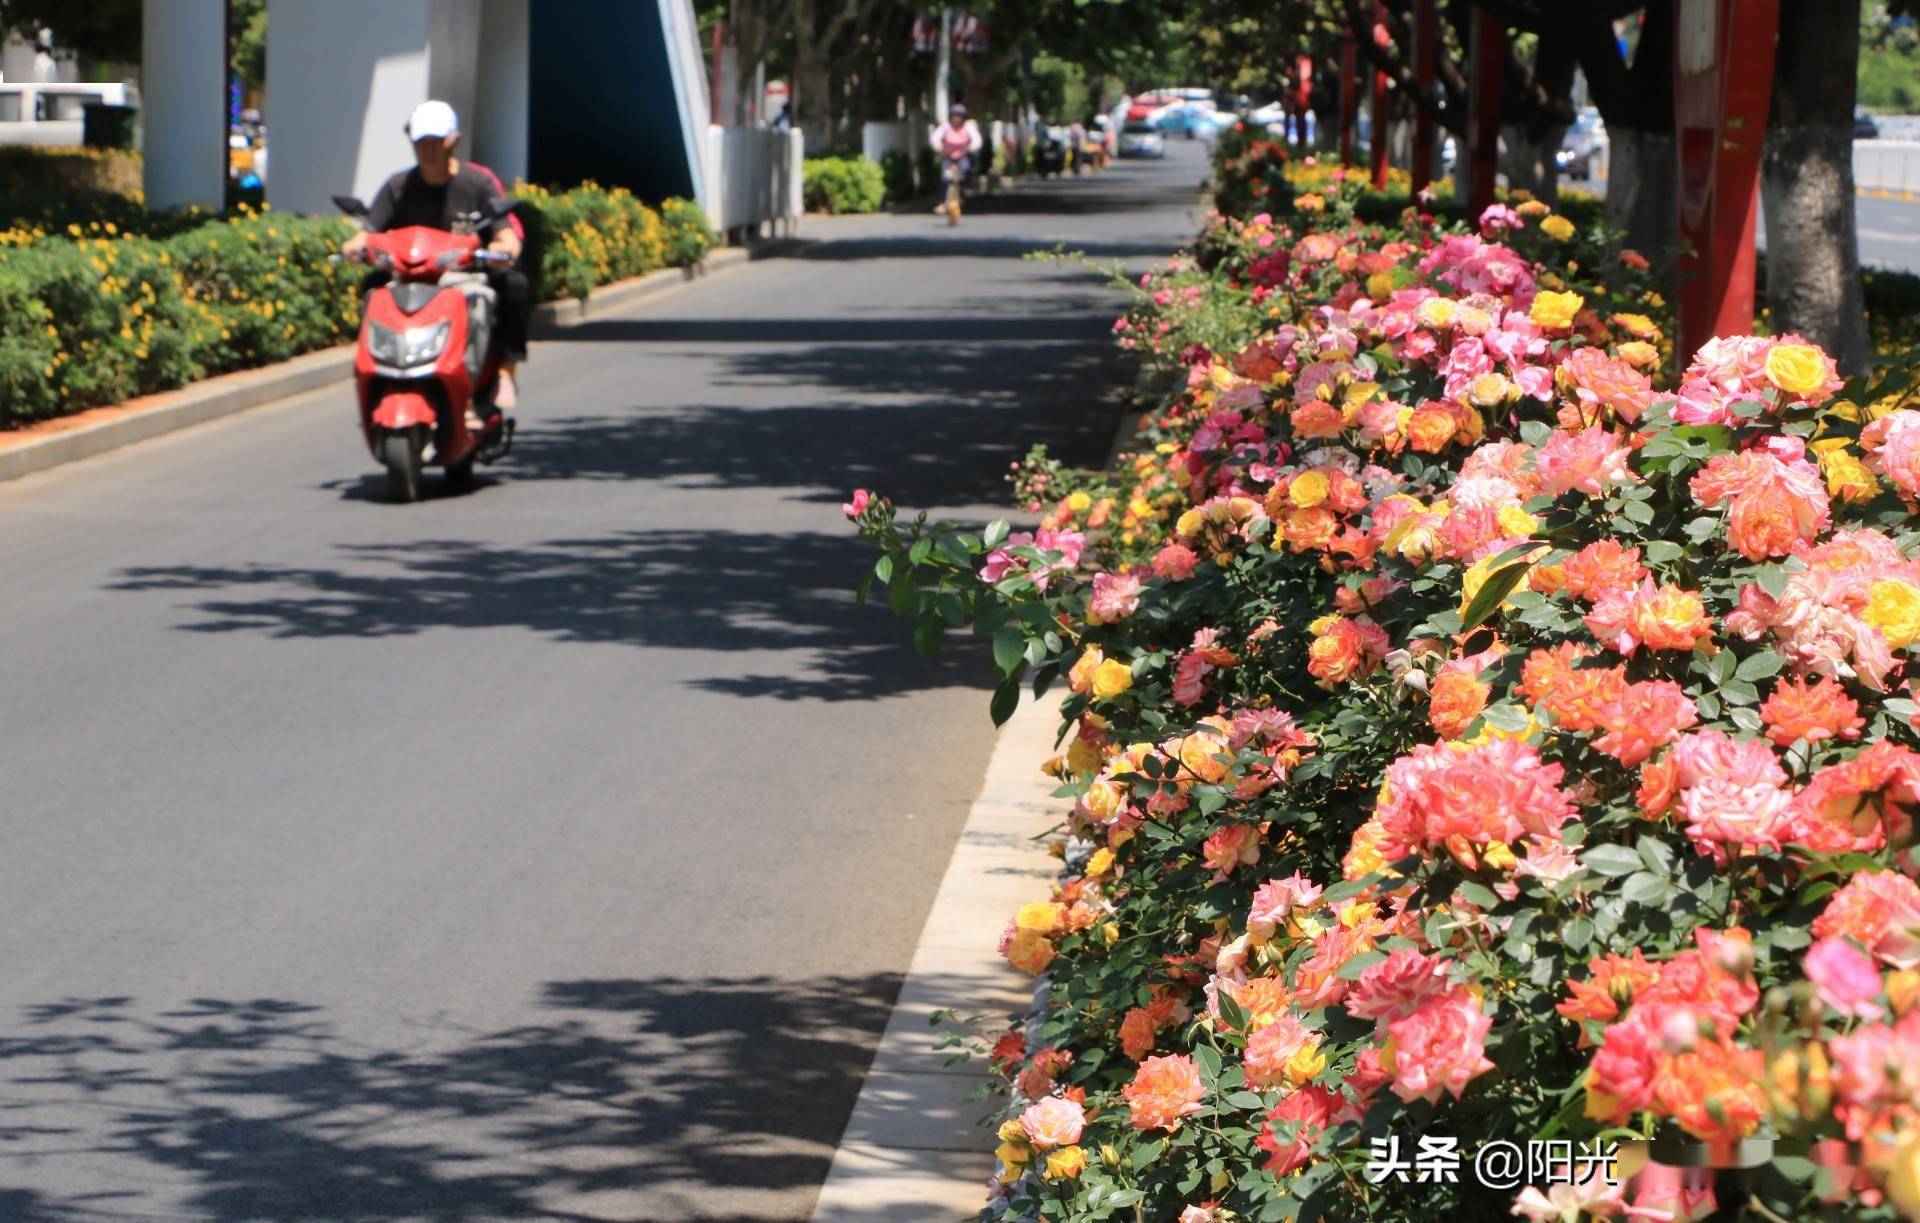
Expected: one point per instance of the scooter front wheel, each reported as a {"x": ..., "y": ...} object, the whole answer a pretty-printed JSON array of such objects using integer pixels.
[{"x": 401, "y": 453}]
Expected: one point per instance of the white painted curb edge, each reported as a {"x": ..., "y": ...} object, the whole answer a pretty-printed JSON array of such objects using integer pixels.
[{"x": 914, "y": 1149}]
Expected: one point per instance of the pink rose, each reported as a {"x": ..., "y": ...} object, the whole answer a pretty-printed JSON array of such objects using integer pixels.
[
  {"x": 1053, "y": 1122},
  {"x": 1845, "y": 978},
  {"x": 857, "y": 506}
]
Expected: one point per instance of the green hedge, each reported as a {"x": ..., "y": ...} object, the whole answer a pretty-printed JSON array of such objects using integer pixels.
[
  {"x": 101, "y": 301},
  {"x": 843, "y": 184}
]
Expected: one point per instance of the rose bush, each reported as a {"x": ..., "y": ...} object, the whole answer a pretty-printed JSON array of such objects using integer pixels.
[{"x": 1472, "y": 730}]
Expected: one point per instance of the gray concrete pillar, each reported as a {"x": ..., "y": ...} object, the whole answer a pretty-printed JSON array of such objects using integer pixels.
[{"x": 183, "y": 93}]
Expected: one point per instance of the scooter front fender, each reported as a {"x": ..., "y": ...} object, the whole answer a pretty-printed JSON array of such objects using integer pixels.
[{"x": 403, "y": 410}]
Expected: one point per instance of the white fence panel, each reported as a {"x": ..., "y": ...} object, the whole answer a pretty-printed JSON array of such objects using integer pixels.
[
  {"x": 753, "y": 177},
  {"x": 879, "y": 139},
  {"x": 1889, "y": 165}
]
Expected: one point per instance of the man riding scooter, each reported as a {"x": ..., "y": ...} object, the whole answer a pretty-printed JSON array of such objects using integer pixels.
[{"x": 438, "y": 192}]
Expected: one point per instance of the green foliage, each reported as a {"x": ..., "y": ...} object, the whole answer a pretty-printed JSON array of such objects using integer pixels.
[
  {"x": 1889, "y": 65},
  {"x": 897, "y": 169},
  {"x": 837, "y": 185}
]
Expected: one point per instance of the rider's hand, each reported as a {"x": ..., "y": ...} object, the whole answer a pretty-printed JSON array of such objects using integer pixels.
[{"x": 355, "y": 248}]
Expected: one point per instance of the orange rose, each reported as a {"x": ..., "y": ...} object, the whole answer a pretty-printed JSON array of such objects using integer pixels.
[
  {"x": 1458, "y": 698},
  {"x": 1164, "y": 1090}
]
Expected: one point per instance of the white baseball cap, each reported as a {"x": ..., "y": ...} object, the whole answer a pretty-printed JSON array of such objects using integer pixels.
[{"x": 432, "y": 118}]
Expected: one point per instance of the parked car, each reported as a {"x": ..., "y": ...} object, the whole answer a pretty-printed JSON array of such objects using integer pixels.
[
  {"x": 1864, "y": 128},
  {"x": 36, "y": 112},
  {"x": 1584, "y": 148},
  {"x": 1140, "y": 138}
]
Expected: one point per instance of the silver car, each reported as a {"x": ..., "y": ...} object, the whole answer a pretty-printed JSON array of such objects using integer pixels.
[{"x": 1140, "y": 138}]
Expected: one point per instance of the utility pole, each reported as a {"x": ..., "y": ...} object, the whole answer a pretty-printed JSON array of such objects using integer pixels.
[{"x": 942, "y": 65}]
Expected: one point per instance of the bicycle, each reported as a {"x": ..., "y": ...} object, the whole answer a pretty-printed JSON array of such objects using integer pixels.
[{"x": 952, "y": 174}]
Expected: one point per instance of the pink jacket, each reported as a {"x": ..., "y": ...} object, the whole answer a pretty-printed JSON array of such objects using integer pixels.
[{"x": 949, "y": 141}]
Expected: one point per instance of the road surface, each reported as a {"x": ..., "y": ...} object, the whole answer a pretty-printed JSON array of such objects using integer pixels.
[{"x": 553, "y": 851}]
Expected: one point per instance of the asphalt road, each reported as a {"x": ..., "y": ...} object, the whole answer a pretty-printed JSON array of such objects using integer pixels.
[{"x": 553, "y": 851}]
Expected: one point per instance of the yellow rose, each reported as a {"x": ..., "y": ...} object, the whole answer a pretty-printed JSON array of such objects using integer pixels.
[
  {"x": 1082, "y": 757},
  {"x": 1012, "y": 1131},
  {"x": 1903, "y": 1179},
  {"x": 1639, "y": 354},
  {"x": 1065, "y": 1163},
  {"x": 1111, "y": 678},
  {"x": 1558, "y": 228},
  {"x": 1893, "y": 607},
  {"x": 1380, "y": 286},
  {"x": 1847, "y": 477},
  {"x": 1308, "y": 489},
  {"x": 1490, "y": 389},
  {"x": 1499, "y": 856},
  {"x": 1080, "y": 676},
  {"x": 1555, "y": 311},
  {"x": 1796, "y": 369},
  {"x": 1190, "y": 523},
  {"x": 1516, "y": 521},
  {"x": 1041, "y": 917},
  {"x": 1099, "y": 863},
  {"x": 1435, "y": 312},
  {"x": 1306, "y": 1063},
  {"x": 1012, "y": 1155},
  {"x": 1637, "y": 325},
  {"x": 1079, "y": 503},
  {"x": 1101, "y": 801}
]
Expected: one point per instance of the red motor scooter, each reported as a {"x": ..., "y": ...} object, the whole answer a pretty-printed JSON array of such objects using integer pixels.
[{"x": 426, "y": 354}]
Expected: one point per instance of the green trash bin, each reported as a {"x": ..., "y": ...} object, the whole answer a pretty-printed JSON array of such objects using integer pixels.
[{"x": 105, "y": 126}]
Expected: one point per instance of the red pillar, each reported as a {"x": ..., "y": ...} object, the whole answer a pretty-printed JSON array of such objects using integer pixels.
[
  {"x": 1426, "y": 34},
  {"x": 1723, "y": 82},
  {"x": 1483, "y": 115},
  {"x": 1382, "y": 40},
  {"x": 1349, "y": 71}
]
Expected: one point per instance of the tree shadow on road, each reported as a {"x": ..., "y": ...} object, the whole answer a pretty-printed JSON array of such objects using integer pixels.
[
  {"x": 704, "y": 590},
  {"x": 710, "y": 1099}
]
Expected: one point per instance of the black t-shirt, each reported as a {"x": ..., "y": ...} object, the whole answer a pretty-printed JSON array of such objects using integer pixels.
[{"x": 408, "y": 199}]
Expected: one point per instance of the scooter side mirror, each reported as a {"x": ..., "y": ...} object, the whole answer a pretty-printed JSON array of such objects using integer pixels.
[{"x": 350, "y": 206}]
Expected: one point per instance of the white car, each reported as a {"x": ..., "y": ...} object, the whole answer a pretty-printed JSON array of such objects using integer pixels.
[
  {"x": 1140, "y": 138},
  {"x": 37, "y": 112}
]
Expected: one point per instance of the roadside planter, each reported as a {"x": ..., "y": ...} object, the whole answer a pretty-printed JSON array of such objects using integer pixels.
[{"x": 1488, "y": 762}]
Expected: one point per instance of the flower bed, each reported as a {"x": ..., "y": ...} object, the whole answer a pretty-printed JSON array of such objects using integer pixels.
[
  {"x": 101, "y": 301},
  {"x": 1476, "y": 738}
]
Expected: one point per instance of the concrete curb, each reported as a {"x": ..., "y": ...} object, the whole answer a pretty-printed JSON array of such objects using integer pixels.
[
  {"x": 98, "y": 430},
  {"x": 914, "y": 1150}
]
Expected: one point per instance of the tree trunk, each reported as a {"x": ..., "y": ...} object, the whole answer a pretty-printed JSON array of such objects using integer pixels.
[
  {"x": 1642, "y": 185},
  {"x": 1642, "y": 181},
  {"x": 1529, "y": 161},
  {"x": 1806, "y": 182}
]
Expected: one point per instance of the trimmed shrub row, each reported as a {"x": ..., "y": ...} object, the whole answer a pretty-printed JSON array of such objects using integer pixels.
[{"x": 101, "y": 301}]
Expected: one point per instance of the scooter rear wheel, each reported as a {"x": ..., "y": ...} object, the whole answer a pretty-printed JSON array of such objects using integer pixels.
[{"x": 401, "y": 454}]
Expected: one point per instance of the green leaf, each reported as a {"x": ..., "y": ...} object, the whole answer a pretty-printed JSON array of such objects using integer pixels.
[
  {"x": 921, "y": 550},
  {"x": 1611, "y": 860},
  {"x": 1009, "y": 646},
  {"x": 1209, "y": 1059},
  {"x": 1644, "y": 888},
  {"x": 996, "y": 534},
  {"x": 1657, "y": 854},
  {"x": 928, "y": 634},
  {"x": 1664, "y": 552},
  {"x": 1231, "y": 1012},
  {"x": 1492, "y": 593},
  {"x": 1246, "y": 1100},
  {"x": 1576, "y": 934},
  {"x": 1006, "y": 699},
  {"x": 1480, "y": 894},
  {"x": 1773, "y": 579},
  {"x": 883, "y": 569},
  {"x": 1763, "y": 665}
]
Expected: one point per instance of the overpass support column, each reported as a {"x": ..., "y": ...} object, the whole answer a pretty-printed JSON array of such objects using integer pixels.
[{"x": 183, "y": 90}]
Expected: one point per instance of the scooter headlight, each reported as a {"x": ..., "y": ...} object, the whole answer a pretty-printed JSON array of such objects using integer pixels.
[{"x": 409, "y": 348}]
